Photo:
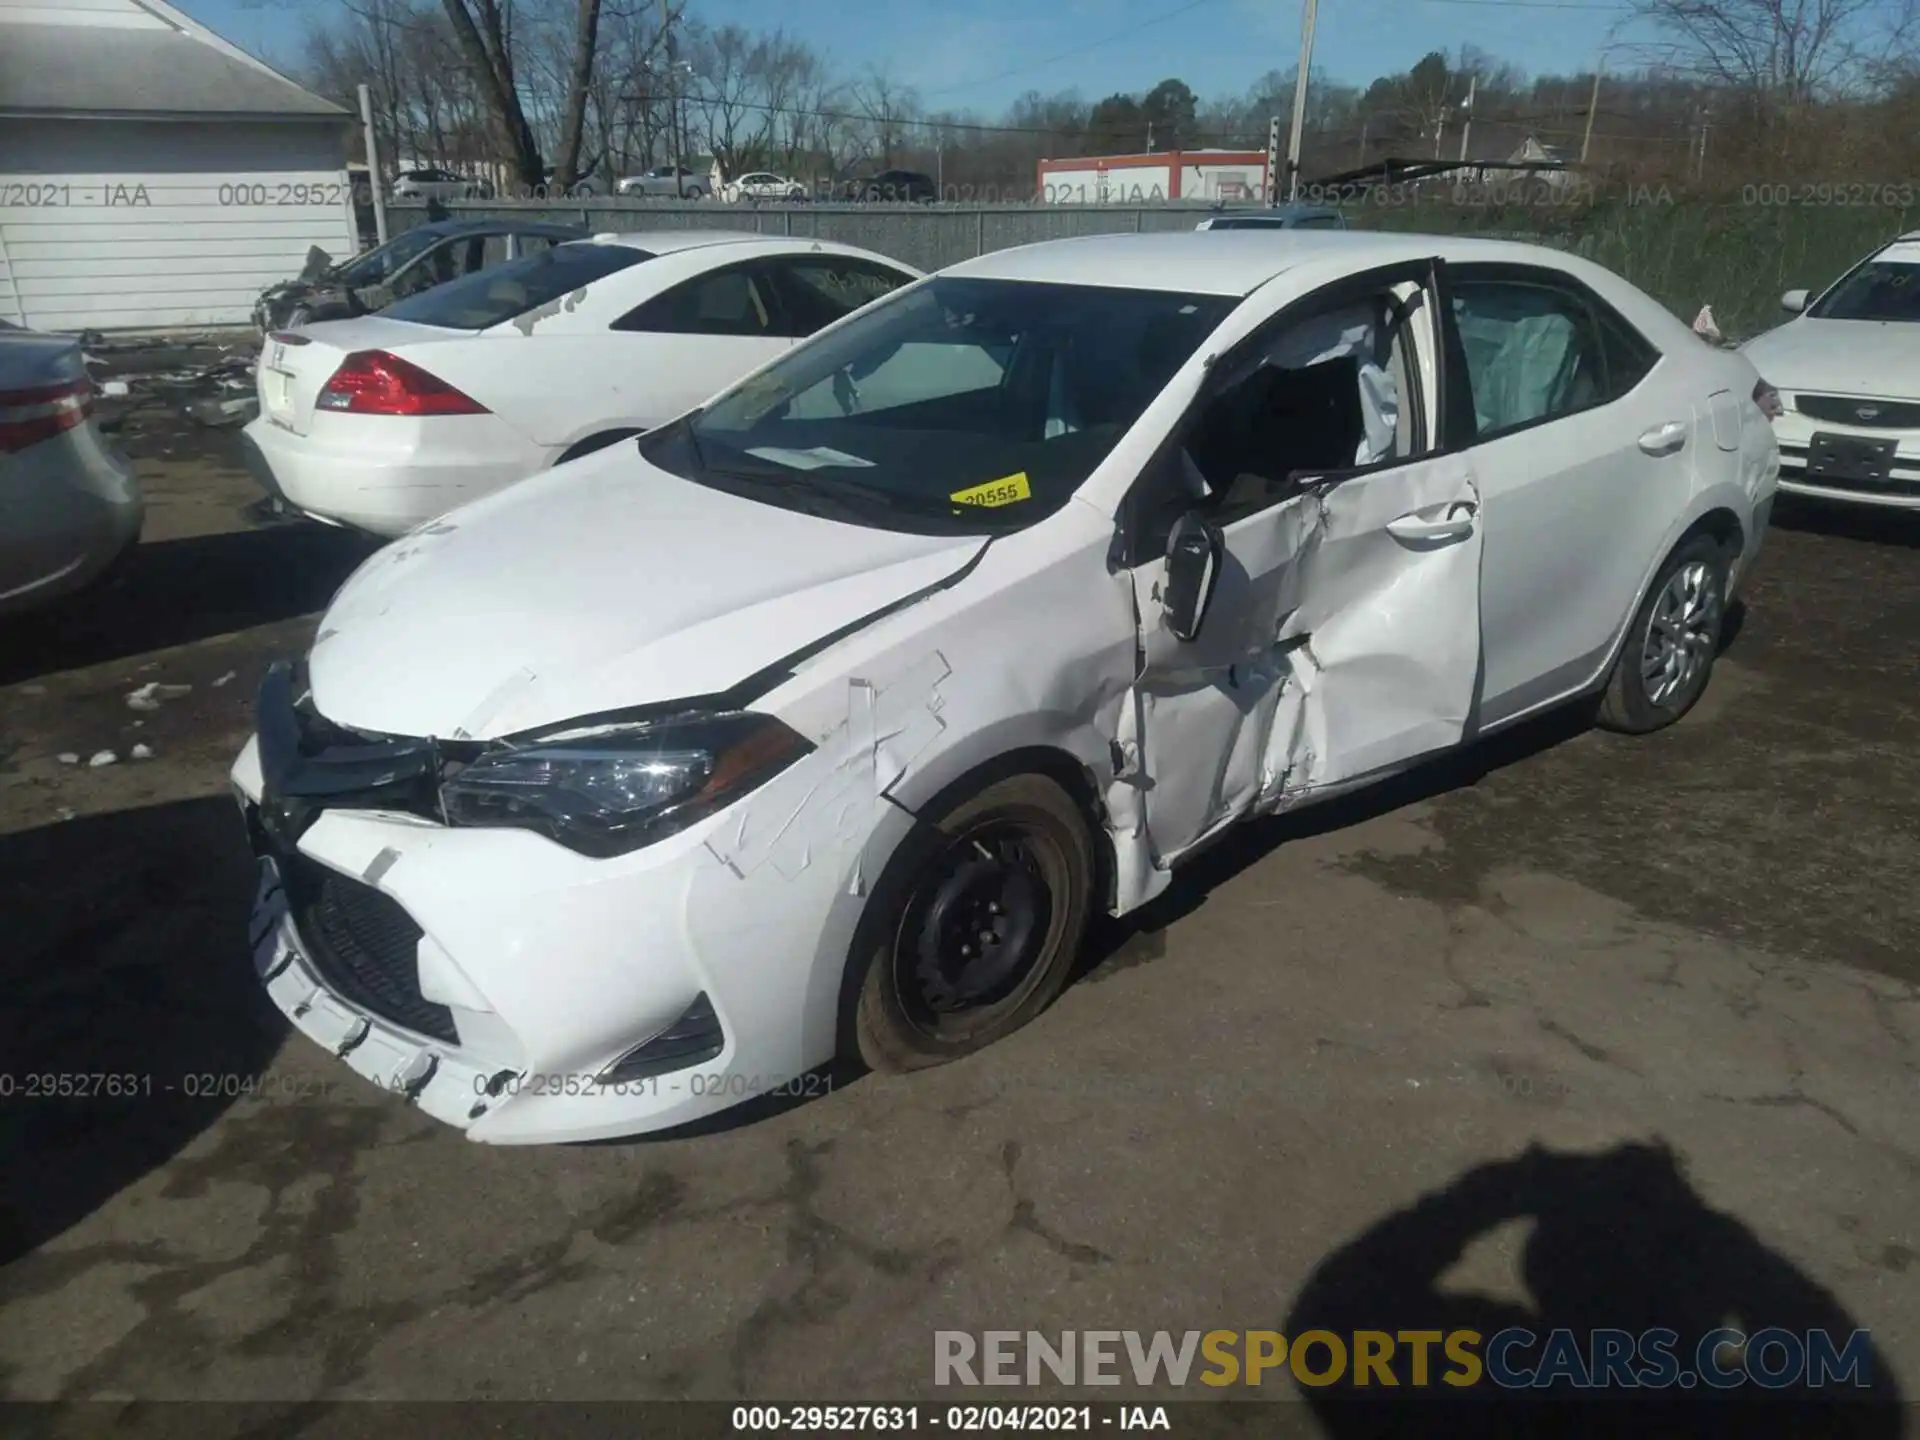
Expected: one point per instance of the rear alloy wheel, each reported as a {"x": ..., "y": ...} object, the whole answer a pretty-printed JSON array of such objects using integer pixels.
[
  {"x": 1668, "y": 657},
  {"x": 982, "y": 919}
]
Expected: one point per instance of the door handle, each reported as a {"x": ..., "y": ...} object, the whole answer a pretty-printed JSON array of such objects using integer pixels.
[
  {"x": 1413, "y": 527},
  {"x": 1664, "y": 439}
]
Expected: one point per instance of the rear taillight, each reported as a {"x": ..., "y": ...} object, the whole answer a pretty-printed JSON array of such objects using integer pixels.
[
  {"x": 1768, "y": 399},
  {"x": 29, "y": 416},
  {"x": 372, "y": 382}
]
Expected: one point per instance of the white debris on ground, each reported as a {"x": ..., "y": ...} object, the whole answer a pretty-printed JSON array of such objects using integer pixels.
[
  {"x": 102, "y": 757},
  {"x": 67, "y": 757},
  {"x": 142, "y": 752},
  {"x": 225, "y": 678},
  {"x": 149, "y": 695}
]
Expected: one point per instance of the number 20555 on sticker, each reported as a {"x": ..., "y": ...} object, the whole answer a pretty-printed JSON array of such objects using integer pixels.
[{"x": 995, "y": 492}]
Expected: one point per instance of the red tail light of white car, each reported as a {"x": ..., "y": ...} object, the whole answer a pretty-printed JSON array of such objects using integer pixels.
[{"x": 372, "y": 382}]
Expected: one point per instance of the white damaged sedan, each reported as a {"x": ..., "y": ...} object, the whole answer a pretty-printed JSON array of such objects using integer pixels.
[{"x": 821, "y": 721}]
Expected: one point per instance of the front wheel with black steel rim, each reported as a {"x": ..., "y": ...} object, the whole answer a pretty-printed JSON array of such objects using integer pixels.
[
  {"x": 1668, "y": 656},
  {"x": 978, "y": 923}
]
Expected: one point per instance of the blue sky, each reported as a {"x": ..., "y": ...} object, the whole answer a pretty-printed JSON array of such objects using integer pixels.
[{"x": 982, "y": 54}]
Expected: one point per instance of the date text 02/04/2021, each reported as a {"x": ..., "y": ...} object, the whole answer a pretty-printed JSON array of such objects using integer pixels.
[
  {"x": 959, "y": 1419},
  {"x": 196, "y": 1085}
]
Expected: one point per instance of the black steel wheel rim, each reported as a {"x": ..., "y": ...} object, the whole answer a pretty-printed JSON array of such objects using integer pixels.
[{"x": 978, "y": 926}]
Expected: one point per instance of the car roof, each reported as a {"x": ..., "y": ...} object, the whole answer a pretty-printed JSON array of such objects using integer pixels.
[
  {"x": 1225, "y": 262},
  {"x": 499, "y": 225},
  {"x": 665, "y": 242}
]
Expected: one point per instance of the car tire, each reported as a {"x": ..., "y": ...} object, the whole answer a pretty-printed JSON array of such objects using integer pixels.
[
  {"x": 1667, "y": 658},
  {"x": 926, "y": 995}
]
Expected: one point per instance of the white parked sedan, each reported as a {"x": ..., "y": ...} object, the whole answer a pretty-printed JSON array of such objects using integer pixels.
[
  {"x": 762, "y": 185},
  {"x": 69, "y": 507},
  {"x": 1847, "y": 370},
  {"x": 383, "y": 422},
  {"x": 824, "y": 720}
]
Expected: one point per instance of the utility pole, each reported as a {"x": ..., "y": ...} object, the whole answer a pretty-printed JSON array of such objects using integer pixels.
[
  {"x": 1706, "y": 123},
  {"x": 1366, "y": 125},
  {"x": 373, "y": 172},
  {"x": 673, "y": 102},
  {"x": 1593, "y": 106},
  {"x": 1466, "y": 129},
  {"x": 1307, "y": 8}
]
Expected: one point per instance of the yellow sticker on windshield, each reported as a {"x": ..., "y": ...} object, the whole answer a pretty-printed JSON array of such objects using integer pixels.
[{"x": 995, "y": 492}]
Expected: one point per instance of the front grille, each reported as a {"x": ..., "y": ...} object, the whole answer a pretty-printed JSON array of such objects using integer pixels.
[
  {"x": 1886, "y": 414},
  {"x": 363, "y": 944}
]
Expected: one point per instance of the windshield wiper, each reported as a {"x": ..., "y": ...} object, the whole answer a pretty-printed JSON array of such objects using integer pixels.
[{"x": 843, "y": 495}]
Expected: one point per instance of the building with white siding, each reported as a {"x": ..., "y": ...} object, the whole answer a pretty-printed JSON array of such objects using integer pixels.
[{"x": 152, "y": 176}]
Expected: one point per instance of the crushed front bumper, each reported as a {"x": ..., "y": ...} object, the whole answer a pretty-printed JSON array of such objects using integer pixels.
[{"x": 528, "y": 994}]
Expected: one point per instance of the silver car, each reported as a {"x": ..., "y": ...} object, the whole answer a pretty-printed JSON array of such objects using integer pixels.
[
  {"x": 69, "y": 507},
  {"x": 1280, "y": 217},
  {"x": 667, "y": 180}
]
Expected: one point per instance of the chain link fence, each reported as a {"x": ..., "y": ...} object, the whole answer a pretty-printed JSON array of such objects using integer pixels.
[
  {"x": 1735, "y": 256},
  {"x": 929, "y": 237}
]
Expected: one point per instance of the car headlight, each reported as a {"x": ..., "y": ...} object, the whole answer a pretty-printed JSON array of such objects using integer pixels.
[{"x": 611, "y": 789}]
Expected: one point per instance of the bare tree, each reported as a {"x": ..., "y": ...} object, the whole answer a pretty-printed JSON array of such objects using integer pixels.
[
  {"x": 484, "y": 32},
  {"x": 888, "y": 107},
  {"x": 728, "y": 71},
  {"x": 1787, "y": 51},
  {"x": 586, "y": 29}
]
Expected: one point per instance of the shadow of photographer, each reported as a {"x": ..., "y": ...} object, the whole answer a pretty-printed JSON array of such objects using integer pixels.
[{"x": 1619, "y": 1242}]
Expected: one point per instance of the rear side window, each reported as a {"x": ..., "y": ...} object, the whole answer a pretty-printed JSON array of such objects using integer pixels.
[
  {"x": 816, "y": 292},
  {"x": 1533, "y": 352},
  {"x": 1630, "y": 355},
  {"x": 733, "y": 301},
  {"x": 486, "y": 298}
]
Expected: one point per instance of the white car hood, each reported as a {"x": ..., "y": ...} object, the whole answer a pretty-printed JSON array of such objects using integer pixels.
[
  {"x": 601, "y": 585},
  {"x": 1840, "y": 357}
]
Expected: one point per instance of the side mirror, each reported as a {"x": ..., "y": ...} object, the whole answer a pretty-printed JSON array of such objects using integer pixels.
[
  {"x": 1794, "y": 301},
  {"x": 318, "y": 262},
  {"x": 1193, "y": 567}
]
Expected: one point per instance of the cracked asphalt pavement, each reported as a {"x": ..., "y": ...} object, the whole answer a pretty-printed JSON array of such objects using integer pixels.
[{"x": 1305, "y": 1086}]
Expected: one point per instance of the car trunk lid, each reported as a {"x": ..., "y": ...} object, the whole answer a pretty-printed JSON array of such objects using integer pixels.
[{"x": 295, "y": 365}]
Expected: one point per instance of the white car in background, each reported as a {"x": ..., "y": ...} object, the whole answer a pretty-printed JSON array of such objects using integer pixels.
[
  {"x": 825, "y": 719},
  {"x": 386, "y": 421},
  {"x": 1847, "y": 369},
  {"x": 762, "y": 185},
  {"x": 431, "y": 184},
  {"x": 69, "y": 507}
]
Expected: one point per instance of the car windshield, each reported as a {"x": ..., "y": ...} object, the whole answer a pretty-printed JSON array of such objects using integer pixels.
[
  {"x": 386, "y": 260},
  {"x": 964, "y": 404},
  {"x": 1878, "y": 290},
  {"x": 481, "y": 299}
]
